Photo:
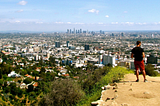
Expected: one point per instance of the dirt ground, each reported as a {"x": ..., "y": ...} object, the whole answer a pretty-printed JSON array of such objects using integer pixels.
[{"x": 130, "y": 93}]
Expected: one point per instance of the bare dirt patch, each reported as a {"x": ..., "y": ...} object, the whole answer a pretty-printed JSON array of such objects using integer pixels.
[{"x": 130, "y": 93}]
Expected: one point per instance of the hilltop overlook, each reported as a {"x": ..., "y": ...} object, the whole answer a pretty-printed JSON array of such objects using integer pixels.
[{"x": 130, "y": 93}]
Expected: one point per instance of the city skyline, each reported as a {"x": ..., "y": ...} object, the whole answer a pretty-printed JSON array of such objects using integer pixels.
[{"x": 93, "y": 15}]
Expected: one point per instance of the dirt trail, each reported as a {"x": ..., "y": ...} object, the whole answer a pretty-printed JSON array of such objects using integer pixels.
[{"x": 130, "y": 93}]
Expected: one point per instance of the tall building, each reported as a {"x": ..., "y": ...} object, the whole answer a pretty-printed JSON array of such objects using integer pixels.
[
  {"x": 109, "y": 59},
  {"x": 57, "y": 44},
  {"x": 84, "y": 32},
  {"x": 48, "y": 55},
  {"x": 74, "y": 31},
  {"x": 101, "y": 32},
  {"x": 72, "y": 47},
  {"x": 122, "y": 34},
  {"x": 80, "y": 31},
  {"x": 67, "y": 30},
  {"x": 86, "y": 47},
  {"x": 100, "y": 59},
  {"x": 67, "y": 43}
]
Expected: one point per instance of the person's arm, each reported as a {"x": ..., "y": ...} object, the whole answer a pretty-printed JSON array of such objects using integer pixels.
[
  {"x": 132, "y": 55},
  {"x": 143, "y": 54}
]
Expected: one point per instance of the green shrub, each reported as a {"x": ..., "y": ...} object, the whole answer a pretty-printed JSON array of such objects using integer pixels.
[
  {"x": 64, "y": 92},
  {"x": 88, "y": 81},
  {"x": 28, "y": 80},
  {"x": 114, "y": 75},
  {"x": 90, "y": 98},
  {"x": 150, "y": 70},
  {"x": 3, "y": 98}
]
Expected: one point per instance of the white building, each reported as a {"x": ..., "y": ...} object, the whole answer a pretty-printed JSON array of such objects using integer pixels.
[
  {"x": 31, "y": 50},
  {"x": 1, "y": 60},
  {"x": 132, "y": 65},
  {"x": 109, "y": 59},
  {"x": 100, "y": 59},
  {"x": 13, "y": 74}
]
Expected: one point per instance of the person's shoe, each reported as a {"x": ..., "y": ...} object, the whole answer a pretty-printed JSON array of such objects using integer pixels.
[
  {"x": 137, "y": 80},
  {"x": 145, "y": 80}
]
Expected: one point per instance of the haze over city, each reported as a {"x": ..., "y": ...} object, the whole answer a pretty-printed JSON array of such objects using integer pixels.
[
  {"x": 35, "y": 15},
  {"x": 79, "y": 52}
]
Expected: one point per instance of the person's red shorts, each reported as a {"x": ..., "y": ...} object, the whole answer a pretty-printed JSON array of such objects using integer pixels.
[{"x": 139, "y": 64}]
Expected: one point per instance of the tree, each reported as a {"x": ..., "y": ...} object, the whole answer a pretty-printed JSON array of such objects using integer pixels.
[
  {"x": 5, "y": 77},
  {"x": 43, "y": 75},
  {"x": 64, "y": 92},
  {"x": 7, "y": 89},
  {"x": 5, "y": 84},
  {"x": 4, "y": 57},
  {"x": 5, "y": 68},
  {"x": 88, "y": 80},
  {"x": 23, "y": 72},
  {"x": 23, "y": 102},
  {"x": 30, "y": 88},
  {"x": 20, "y": 92},
  {"x": 41, "y": 63},
  {"x": 1, "y": 73},
  {"x": 13, "y": 89},
  {"x": 35, "y": 73},
  {"x": 42, "y": 70},
  {"x": 52, "y": 61},
  {"x": 149, "y": 68},
  {"x": 28, "y": 80},
  {"x": 1, "y": 82},
  {"x": 32, "y": 96},
  {"x": 19, "y": 81},
  {"x": 17, "y": 70},
  {"x": 50, "y": 76}
]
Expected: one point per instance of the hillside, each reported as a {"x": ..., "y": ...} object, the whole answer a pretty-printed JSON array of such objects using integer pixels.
[{"x": 130, "y": 93}]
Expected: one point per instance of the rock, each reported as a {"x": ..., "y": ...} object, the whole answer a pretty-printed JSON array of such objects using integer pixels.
[
  {"x": 94, "y": 103},
  {"x": 115, "y": 83},
  {"x": 130, "y": 89},
  {"x": 115, "y": 96},
  {"x": 145, "y": 92},
  {"x": 102, "y": 88},
  {"x": 115, "y": 87},
  {"x": 112, "y": 84},
  {"x": 107, "y": 87},
  {"x": 107, "y": 99},
  {"x": 124, "y": 104}
]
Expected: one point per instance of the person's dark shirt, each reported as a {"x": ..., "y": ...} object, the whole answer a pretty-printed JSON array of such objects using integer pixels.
[{"x": 137, "y": 53}]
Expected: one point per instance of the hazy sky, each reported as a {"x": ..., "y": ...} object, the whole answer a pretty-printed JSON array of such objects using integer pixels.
[{"x": 60, "y": 15}]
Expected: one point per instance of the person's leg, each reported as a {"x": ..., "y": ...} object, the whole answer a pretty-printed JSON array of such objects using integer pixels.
[
  {"x": 144, "y": 74},
  {"x": 137, "y": 70},
  {"x": 137, "y": 75},
  {"x": 142, "y": 68}
]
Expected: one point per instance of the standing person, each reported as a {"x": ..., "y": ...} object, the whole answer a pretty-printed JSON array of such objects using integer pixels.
[{"x": 138, "y": 54}]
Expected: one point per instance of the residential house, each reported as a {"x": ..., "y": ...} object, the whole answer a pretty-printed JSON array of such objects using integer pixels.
[{"x": 13, "y": 74}]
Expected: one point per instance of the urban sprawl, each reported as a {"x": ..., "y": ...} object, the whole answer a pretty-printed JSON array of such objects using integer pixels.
[{"x": 77, "y": 48}]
